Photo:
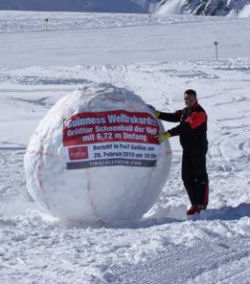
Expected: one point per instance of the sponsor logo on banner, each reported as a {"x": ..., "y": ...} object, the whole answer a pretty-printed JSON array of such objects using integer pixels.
[
  {"x": 78, "y": 153},
  {"x": 111, "y": 138}
]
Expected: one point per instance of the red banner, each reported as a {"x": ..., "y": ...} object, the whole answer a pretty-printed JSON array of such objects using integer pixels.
[{"x": 110, "y": 126}]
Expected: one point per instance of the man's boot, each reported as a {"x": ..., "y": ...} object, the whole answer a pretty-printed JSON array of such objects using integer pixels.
[{"x": 194, "y": 210}]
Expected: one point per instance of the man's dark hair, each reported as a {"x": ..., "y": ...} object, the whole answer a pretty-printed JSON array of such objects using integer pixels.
[{"x": 191, "y": 92}]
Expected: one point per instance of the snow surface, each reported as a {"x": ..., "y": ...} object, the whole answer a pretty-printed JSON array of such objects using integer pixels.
[
  {"x": 245, "y": 12},
  {"x": 158, "y": 58},
  {"x": 108, "y": 195},
  {"x": 171, "y": 7}
]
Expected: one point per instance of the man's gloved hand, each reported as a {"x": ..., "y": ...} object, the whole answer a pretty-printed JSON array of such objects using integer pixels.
[
  {"x": 164, "y": 136},
  {"x": 156, "y": 112}
]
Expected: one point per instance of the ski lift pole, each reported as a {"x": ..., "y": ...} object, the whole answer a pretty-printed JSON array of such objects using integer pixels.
[
  {"x": 46, "y": 23},
  {"x": 216, "y": 49}
]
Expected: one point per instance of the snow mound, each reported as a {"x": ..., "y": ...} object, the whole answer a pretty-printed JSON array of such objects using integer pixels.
[
  {"x": 95, "y": 158},
  {"x": 245, "y": 13},
  {"x": 171, "y": 7}
]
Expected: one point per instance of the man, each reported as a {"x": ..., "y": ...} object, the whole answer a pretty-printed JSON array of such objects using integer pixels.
[{"x": 192, "y": 130}]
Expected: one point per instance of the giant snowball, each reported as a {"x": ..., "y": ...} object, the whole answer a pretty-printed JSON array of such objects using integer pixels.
[{"x": 95, "y": 157}]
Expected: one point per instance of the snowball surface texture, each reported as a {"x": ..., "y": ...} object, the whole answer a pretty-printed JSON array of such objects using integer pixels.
[{"x": 95, "y": 158}]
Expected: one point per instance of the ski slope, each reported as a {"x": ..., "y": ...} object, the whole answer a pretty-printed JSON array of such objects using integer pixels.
[{"x": 158, "y": 58}]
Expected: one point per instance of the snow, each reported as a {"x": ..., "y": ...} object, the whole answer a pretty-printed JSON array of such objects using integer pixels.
[
  {"x": 171, "y": 7},
  {"x": 126, "y": 182},
  {"x": 245, "y": 12},
  {"x": 82, "y": 45},
  {"x": 157, "y": 58}
]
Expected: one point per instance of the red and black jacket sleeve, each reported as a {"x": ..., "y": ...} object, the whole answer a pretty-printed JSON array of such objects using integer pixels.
[
  {"x": 171, "y": 117},
  {"x": 187, "y": 125}
]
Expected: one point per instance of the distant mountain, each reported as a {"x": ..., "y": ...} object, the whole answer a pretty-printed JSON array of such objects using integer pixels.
[
  {"x": 163, "y": 7},
  {"x": 125, "y": 6},
  {"x": 205, "y": 7}
]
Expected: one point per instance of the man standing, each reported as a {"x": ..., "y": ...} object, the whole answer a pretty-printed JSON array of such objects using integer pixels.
[{"x": 192, "y": 130}]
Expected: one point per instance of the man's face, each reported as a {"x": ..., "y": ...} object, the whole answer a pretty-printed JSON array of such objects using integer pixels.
[{"x": 190, "y": 100}]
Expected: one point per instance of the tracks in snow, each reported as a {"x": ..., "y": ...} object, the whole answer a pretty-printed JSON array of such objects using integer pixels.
[{"x": 193, "y": 265}]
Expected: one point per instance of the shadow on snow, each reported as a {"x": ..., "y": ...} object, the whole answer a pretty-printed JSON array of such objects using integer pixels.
[{"x": 226, "y": 213}]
